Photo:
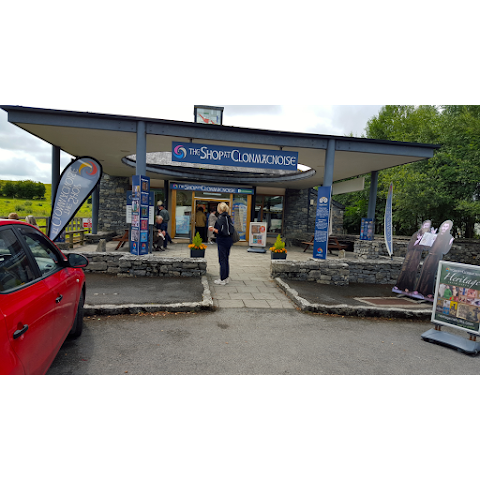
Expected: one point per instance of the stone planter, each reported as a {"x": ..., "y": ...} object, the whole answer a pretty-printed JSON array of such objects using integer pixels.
[
  {"x": 279, "y": 256},
  {"x": 197, "y": 253}
]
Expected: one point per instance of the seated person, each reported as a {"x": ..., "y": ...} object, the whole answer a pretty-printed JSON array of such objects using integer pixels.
[{"x": 159, "y": 237}]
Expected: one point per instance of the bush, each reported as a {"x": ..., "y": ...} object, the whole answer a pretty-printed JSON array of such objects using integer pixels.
[
  {"x": 197, "y": 243},
  {"x": 19, "y": 207},
  {"x": 279, "y": 246},
  {"x": 23, "y": 189}
]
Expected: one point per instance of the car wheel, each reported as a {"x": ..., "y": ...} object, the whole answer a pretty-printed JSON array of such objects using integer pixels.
[{"x": 77, "y": 328}]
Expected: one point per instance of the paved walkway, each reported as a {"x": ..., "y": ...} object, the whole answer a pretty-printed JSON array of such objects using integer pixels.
[{"x": 250, "y": 283}]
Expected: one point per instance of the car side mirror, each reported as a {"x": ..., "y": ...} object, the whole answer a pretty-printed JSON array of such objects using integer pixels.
[{"x": 75, "y": 260}]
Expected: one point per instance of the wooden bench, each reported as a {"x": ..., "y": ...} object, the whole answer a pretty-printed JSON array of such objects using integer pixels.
[
  {"x": 333, "y": 244},
  {"x": 121, "y": 240}
]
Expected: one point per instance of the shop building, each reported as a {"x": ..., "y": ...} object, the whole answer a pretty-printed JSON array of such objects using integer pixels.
[
  {"x": 248, "y": 203},
  {"x": 275, "y": 191}
]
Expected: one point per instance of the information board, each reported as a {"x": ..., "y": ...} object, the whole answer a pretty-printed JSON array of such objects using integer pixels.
[
  {"x": 457, "y": 296},
  {"x": 322, "y": 223},
  {"x": 140, "y": 215}
]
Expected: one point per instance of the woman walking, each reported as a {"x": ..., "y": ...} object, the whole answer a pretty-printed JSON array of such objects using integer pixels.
[{"x": 223, "y": 229}]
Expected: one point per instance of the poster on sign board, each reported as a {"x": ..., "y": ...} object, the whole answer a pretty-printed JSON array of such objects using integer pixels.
[
  {"x": 457, "y": 296},
  {"x": 258, "y": 234}
]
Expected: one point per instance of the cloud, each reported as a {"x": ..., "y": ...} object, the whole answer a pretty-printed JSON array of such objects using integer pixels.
[
  {"x": 353, "y": 118},
  {"x": 248, "y": 110}
]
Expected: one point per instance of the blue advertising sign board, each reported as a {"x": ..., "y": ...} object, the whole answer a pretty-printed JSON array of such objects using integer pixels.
[
  {"x": 76, "y": 184},
  {"x": 388, "y": 221},
  {"x": 322, "y": 223},
  {"x": 234, "y": 156},
  {"x": 367, "y": 230},
  {"x": 211, "y": 188},
  {"x": 140, "y": 215}
]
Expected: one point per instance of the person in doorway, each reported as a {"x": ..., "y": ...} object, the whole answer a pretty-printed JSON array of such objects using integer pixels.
[
  {"x": 223, "y": 229},
  {"x": 166, "y": 218},
  {"x": 212, "y": 220},
  {"x": 201, "y": 224}
]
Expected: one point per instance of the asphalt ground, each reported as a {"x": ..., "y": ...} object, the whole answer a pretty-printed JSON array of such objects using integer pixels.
[
  {"x": 256, "y": 342},
  {"x": 112, "y": 290}
]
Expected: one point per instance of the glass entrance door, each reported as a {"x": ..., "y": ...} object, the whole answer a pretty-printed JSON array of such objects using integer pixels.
[{"x": 203, "y": 208}]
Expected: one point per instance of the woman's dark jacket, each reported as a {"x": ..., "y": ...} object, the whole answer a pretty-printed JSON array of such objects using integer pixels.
[{"x": 224, "y": 225}]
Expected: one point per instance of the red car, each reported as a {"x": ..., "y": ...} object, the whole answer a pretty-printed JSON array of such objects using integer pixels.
[{"x": 42, "y": 292}]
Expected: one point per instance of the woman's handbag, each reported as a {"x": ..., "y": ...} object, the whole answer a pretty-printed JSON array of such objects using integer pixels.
[{"x": 234, "y": 234}]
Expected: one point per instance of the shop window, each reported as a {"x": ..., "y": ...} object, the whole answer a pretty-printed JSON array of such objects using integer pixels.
[
  {"x": 239, "y": 214},
  {"x": 159, "y": 195},
  {"x": 183, "y": 214},
  {"x": 269, "y": 209}
]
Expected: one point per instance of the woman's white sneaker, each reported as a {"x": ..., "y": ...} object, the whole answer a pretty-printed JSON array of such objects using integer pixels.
[{"x": 219, "y": 282}]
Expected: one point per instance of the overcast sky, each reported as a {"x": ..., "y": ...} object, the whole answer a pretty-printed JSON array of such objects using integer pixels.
[{"x": 25, "y": 157}]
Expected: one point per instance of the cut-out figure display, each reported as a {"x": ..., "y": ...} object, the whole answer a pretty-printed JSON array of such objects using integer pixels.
[
  {"x": 408, "y": 274},
  {"x": 441, "y": 246}
]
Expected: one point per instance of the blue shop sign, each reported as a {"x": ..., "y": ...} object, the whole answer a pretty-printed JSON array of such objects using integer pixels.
[
  {"x": 211, "y": 188},
  {"x": 234, "y": 156}
]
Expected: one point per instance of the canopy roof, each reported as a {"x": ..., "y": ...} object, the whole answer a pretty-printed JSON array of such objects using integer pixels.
[{"x": 112, "y": 138}]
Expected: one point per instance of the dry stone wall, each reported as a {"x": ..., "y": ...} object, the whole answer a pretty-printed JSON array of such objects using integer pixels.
[{"x": 126, "y": 265}]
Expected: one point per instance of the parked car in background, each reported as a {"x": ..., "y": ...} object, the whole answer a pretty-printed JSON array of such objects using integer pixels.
[{"x": 42, "y": 293}]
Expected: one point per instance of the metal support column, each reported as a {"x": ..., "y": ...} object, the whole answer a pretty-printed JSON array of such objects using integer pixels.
[
  {"x": 95, "y": 208},
  {"x": 372, "y": 203},
  {"x": 55, "y": 170},
  {"x": 329, "y": 164},
  {"x": 141, "y": 148}
]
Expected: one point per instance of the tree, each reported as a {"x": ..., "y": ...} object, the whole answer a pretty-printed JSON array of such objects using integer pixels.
[
  {"x": 9, "y": 189},
  {"x": 24, "y": 189},
  {"x": 446, "y": 186}
]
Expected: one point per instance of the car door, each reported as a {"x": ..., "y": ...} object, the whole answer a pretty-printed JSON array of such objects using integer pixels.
[
  {"x": 25, "y": 301},
  {"x": 61, "y": 281}
]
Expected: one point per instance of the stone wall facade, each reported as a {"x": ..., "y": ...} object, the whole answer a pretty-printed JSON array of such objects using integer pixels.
[
  {"x": 113, "y": 204},
  {"x": 126, "y": 265},
  {"x": 300, "y": 215}
]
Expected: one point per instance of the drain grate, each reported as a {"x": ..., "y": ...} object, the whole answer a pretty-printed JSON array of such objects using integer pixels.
[{"x": 388, "y": 301}]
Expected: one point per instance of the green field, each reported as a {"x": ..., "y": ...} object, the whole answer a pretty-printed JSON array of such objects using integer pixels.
[{"x": 37, "y": 208}]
